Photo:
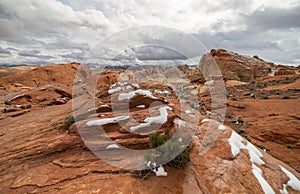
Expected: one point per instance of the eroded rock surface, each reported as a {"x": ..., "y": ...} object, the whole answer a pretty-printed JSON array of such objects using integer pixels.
[{"x": 39, "y": 155}]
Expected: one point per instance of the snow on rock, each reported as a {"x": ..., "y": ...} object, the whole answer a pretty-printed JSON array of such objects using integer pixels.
[
  {"x": 104, "y": 105},
  {"x": 114, "y": 90},
  {"x": 92, "y": 109},
  {"x": 293, "y": 182},
  {"x": 235, "y": 141},
  {"x": 15, "y": 97},
  {"x": 113, "y": 146},
  {"x": 283, "y": 190},
  {"x": 255, "y": 154},
  {"x": 127, "y": 96},
  {"x": 129, "y": 87},
  {"x": 118, "y": 86},
  {"x": 205, "y": 120},
  {"x": 236, "y": 144},
  {"x": 142, "y": 125},
  {"x": 135, "y": 85},
  {"x": 141, "y": 106},
  {"x": 188, "y": 112},
  {"x": 221, "y": 127},
  {"x": 100, "y": 122},
  {"x": 160, "y": 171},
  {"x": 161, "y": 119},
  {"x": 209, "y": 83},
  {"x": 151, "y": 164},
  {"x": 114, "y": 85},
  {"x": 122, "y": 83},
  {"x": 263, "y": 183},
  {"x": 165, "y": 92}
]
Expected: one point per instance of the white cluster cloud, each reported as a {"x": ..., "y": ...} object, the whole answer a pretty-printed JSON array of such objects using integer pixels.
[{"x": 55, "y": 31}]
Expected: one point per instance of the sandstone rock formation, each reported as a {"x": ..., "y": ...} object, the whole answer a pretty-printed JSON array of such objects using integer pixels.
[
  {"x": 241, "y": 67},
  {"x": 256, "y": 151}
]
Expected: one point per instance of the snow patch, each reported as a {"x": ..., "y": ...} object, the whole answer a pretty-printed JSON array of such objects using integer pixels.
[
  {"x": 104, "y": 105},
  {"x": 122, "y": 83},
  {"x": 127, "y": 96},
  {"x": 205, "y": 120},
  {"x": 236, "y": 144},
  {"x": 141, "y": 106},
  {"x": 255, "y": 154},
  {"x": 165, "y": 92},
  {"x": 272, "y": 73},
  {"x": 293, "y": 182},
  {"x": 221, "y": 127},
  {"x": 263, "y": 183},
  {"x": 161, "y": 119},
  {"x": 235, "y": 141},
  {"x": 209, "y": 83},
  {"x": 160, "y": 171},
  {"x": 113, "y": 146},
  {"x": 188, "y": 112},
  {"x": 135, "y": 85},
  {"x": 17, "y": 96},
  {"x": 129, "y": 87},
  {"x": 114, "y": 85},
  {"x": 92, "y": 109},
  {"x": 283, "y": 190},
  {"x": 100, "y": 122},
  {"x": 114, "y": 90},
  {"x": 151, "y": 164},
  {"x": 142, "y": 125}
]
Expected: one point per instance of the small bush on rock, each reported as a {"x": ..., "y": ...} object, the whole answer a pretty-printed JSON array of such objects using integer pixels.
[
  {"x": 157, "y": 139},
  {"x": 69, "y": 120}
]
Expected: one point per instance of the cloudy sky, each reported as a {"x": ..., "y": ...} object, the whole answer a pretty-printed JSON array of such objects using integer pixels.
[{"x": 53, "y": 31}]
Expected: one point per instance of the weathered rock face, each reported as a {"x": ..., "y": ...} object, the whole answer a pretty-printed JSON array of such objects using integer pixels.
[
  {"x": 38, "y": 155},
  {"x": 34, "y": 77},
  {"x": 284, "y": 70},
  {"x": 194, "y": 75},
  {"x": 234, "y": 165},
  {"x": 241, "y": 67},
  {"x": 245, "y": 68}
]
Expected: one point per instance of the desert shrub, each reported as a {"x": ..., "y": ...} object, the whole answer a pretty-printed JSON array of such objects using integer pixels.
[
  {"x": 69, "y": 120},
  {"x": 7, "y": 102},
  {"x": 157, "y": 139},
  {"x": 141, "y": 174}
]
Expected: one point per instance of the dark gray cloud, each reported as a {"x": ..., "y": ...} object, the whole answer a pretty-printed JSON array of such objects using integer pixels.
[
  {"x": 12, "y": 49},
  {"x": 271, "y": 45},
  {"x": 268, "y": 18},
  {"x": 34, "y": 53},
  {"x": 4, "y": 51},
  {"x": 74, "y": 55},
  {"x": 64, "y": 30},
  {"x": 150, "y": 52}
]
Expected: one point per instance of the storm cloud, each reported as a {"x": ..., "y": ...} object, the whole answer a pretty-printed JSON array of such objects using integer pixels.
[{"x": 56, "y": 31}]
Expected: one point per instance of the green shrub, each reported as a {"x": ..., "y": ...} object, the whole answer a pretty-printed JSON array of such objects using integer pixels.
[
  {"x": 157, "y": 139},
  {"x": 7, "y": 102},
  {"x": 69, "y": 120}
]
